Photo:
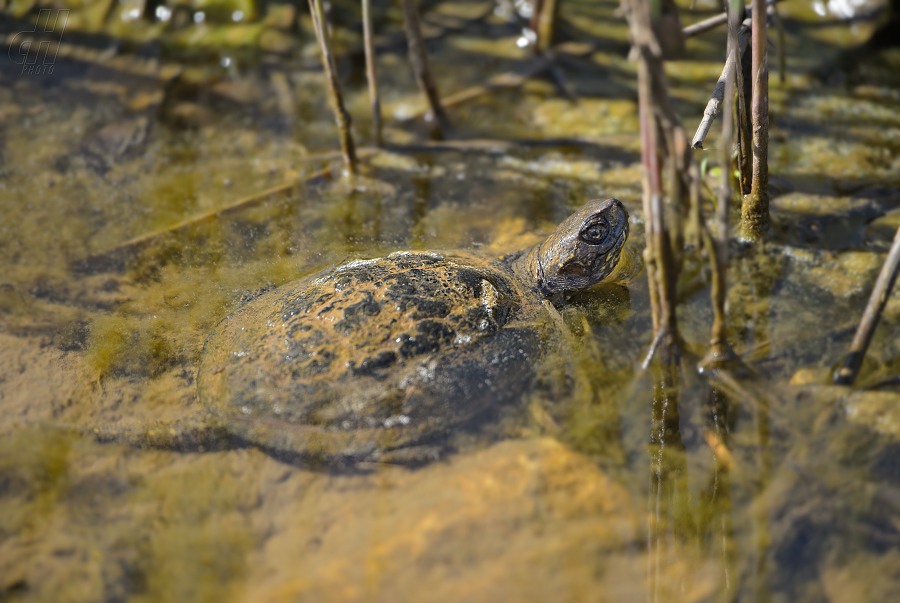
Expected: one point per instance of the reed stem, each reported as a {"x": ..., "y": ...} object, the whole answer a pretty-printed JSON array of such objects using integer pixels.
[
  {"x": 661, "y": 137},
  {"x": 341, "y": 116},
  {"x": 418, "y": 56},
  {"x": 755, "y": 208},
  {"x": 370, "y": 73}
]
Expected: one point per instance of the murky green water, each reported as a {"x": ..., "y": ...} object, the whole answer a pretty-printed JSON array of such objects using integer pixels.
[{"x": 609, "y": 483}]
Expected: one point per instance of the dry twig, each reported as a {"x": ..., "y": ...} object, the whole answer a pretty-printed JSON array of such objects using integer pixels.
[
  {"x": 116, "y": 257},
  {"x": 714, "y": 22},
  {"x": 504, "y": 80},
  {"x": 715, "y": 101},
  {"x": 886, "y": 279},
  {"x": 513, "y": 79}
]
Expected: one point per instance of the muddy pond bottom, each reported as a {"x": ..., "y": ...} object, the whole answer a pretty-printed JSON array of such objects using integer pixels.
[{"x": 139, "y": 212}]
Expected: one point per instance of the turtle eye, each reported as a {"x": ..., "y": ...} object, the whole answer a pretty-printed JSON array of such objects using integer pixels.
[{"x": 593, "y": 234}]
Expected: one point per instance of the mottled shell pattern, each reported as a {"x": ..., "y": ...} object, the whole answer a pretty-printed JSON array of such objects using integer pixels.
[{"x": 374, "y": 355}]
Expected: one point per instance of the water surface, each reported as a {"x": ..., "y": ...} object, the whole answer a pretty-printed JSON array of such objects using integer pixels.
[{"x": 613, "y": 483}]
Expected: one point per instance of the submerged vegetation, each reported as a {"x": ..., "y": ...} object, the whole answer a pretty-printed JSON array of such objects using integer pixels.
[{"x": 162, "y": 163}]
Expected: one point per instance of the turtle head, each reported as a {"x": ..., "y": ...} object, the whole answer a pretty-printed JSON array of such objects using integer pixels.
[{"x": 581, "y": 252}]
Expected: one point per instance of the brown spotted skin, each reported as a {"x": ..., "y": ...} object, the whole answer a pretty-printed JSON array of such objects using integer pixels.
[
  {"x": 581, "y": 252},
  {"x": 377, "y": 356}
]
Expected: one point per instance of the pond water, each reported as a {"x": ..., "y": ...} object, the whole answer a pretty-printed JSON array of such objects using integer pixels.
[{"x": 142, "y": 199}]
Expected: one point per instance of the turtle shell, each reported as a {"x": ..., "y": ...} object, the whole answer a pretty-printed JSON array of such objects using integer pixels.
[{"x": 373, "y": 356}]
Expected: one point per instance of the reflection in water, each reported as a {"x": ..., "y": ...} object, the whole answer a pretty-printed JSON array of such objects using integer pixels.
[
  {"x": 670, "y": 520},
  {"x": 421, "y": 183},
  {"x": 683, "y": 526},
  {"x": 720, "y": 421},
  {"x": 749, "y": 297},
  {"x": 762, "y": 537},
  {"x": 750, "y": 301}
]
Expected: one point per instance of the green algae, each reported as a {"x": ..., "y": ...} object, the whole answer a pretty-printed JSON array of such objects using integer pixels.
[
  {"x": 35, "y": 470},
  {"x": 185, "y": 538},
  {"x": 200, "y": 553}
]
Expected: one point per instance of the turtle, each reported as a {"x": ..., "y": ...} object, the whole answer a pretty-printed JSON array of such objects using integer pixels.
[{"x": 374, "y": 358}]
